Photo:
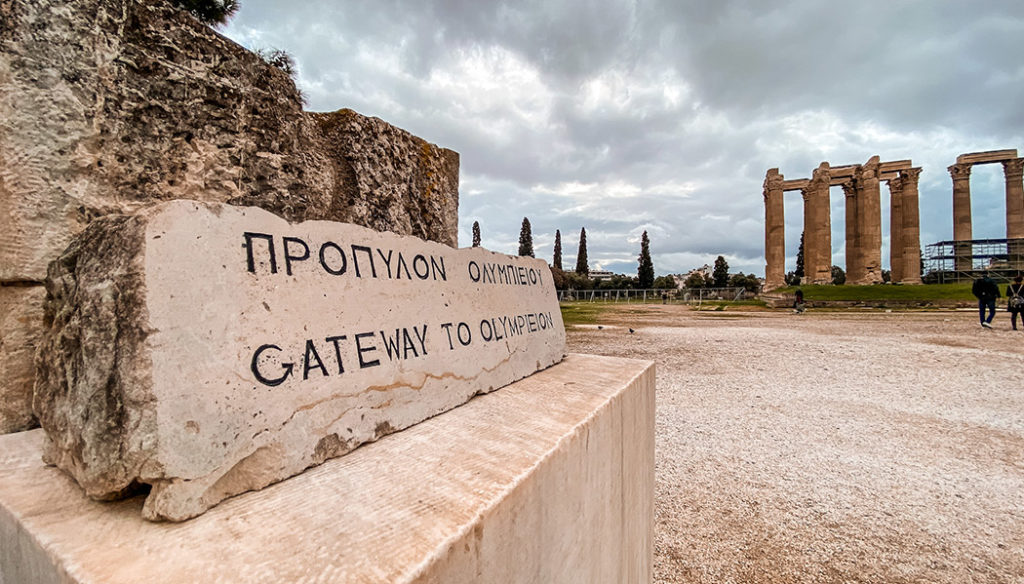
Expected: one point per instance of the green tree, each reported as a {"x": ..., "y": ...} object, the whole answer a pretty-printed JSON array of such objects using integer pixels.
[
  {"x": 559, "y": 278},
  {"x": 212, "y": 12},
  {"x": 799, "y": 272},
  {"x": 838, "y": 275},
  {"x": 582, "y": 268},
  {"x": 695, "y": 280},
  {"x": 720, "y": 274},
  {"x": 748, "y": 282},
  {"x": 558, "y": 250},
  {"x": 645, "y": 272},
  {"x": 476, "y": 234},
  {"x": 578, "y": 281},
  {"x": 526, "y": 239},
  {"x": 665, "y": 282}
]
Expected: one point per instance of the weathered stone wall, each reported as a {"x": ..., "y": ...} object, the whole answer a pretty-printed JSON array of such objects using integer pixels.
[{"x": 106, "y": 105}]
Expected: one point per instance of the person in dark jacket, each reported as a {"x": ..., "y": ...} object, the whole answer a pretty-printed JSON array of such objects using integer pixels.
[
  {"x": 1015, "y": 300},
  {"x": 986, "y": 291}
]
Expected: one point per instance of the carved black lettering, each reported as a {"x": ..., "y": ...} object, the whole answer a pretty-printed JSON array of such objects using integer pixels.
[
  {"x": 497, "y": 335},
  {"x": 287, "y": 367},
  {"x": 488, "y": 273},
  {"x": 503, "y": 273},
  {"x": 486, "y": 330},
  {"x": 355, "y": 260},
  {"x": 341, "y": 254},
  {"x": 421, "y": 337},
  {"x": 309, "y": 357},
  {"x": 426, "y": 267},
  {"x": 436, "y": 268},
  {"x": 531, "y": 319},
  {"x": 468, "y": 336},
  {"x": 289, "y": 258},
  {"x": 360, "y": 349},
  {"x": 387, "y": 260},
  {"x": 474, "y": 267},
  {"x": 447, "y": 326},
  {"x": 521, "y": 272},
  {"x": 250, "y": 260},
  {"x": 521, "y": 323},
  {"x": 533, "y": 276},
  {"x": 408, "y": 345},
  {"x": 337, "y": 350},
  {"x": 402, "y": 266},
  {"x": 391, "y": 344}
]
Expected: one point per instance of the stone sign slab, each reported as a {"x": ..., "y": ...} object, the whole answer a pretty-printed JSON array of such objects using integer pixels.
[{"x": 205, "y": 350}]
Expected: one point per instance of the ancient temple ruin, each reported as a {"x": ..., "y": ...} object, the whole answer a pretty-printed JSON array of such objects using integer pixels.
[
  {"x": 963, "y": 252},
  {"x": 861, "y": 185}
]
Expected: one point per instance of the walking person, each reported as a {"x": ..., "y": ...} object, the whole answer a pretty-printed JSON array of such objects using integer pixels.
[
  {"x": 1015, "y": 300},
  {"x": 986, "y": 291}
]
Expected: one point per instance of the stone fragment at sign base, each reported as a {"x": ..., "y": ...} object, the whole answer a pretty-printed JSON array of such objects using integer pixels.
[{"x": 206, "y": 350}]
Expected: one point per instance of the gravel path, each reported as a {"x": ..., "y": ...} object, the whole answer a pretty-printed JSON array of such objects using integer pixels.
[{"x": 831, "y": 447}]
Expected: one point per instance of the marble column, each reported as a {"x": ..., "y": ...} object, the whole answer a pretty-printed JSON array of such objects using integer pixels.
[
  {"x": 895, "y": 230},
  {"x": 774, "y": 231},
  {"x": 1014, "y": 171},
  {"x": 911, "y": 237},
  {"x": 818, "y": 228},
  {"x": 961, "y": 174},
  {"x": 869, "y": 220},
  {"x": 854, "y": 263}
]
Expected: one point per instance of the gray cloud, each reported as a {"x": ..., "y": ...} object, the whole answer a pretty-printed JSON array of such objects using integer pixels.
[{"x": 661, "y": 115}]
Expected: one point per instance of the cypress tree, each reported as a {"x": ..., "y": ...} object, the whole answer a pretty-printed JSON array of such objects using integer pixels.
[
  {"x": 476, "y": 234},
  {"x": 799, "y": 273},
  {"x": 558, "y": 250},
  {"x": 581, "y": 256},
  {"x": 645, "y": 273},
  {"x": 526, "y": 239}
]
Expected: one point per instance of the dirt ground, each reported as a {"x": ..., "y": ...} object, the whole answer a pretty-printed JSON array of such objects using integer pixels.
[{"x": 831, "y": 446}]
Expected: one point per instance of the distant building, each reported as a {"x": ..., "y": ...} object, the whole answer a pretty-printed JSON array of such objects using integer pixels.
[{"x": 598, "y": 275}]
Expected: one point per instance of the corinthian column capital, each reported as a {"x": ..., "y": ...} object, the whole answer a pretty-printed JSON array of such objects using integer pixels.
[
  {"x": 960, "y": 171},
  {"x": 1013, "y": 169}
]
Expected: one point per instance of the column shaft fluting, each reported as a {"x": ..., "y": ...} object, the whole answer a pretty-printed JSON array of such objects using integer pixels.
[
  {"x": 818, "y": 228},
  {"x": 895, "y": 230},
  {"x": 854, "y": 265},
  {"x": 911, "y": 238},
  {"x": 1014, "y": 171},
  {"x": 774, "y": 231},
  {"x": 869, "y": 219},
  {"x": 961, "y": 174}
]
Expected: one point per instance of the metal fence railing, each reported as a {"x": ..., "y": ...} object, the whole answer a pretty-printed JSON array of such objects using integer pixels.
[{"x": 653, "y": 295}]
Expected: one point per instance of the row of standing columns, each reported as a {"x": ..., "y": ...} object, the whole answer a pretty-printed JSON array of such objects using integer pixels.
[
  {"x": 861, "y": 186},
  {"x": 1013, "y": 170}
]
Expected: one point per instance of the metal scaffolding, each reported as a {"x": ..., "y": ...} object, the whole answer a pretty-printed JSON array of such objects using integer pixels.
[{"x": 948, "y": 261}]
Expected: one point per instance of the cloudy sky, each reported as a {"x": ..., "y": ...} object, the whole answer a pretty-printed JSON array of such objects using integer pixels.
[{"x": 625, "y": 116}]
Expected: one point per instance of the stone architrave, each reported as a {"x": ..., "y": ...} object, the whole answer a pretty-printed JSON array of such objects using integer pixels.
[
  {"x": 854, "y": 263},
  {"x": 895, "y": 229},
  {"x": 962, "y": 231},
  {"x": 774, "y": 231},
  {"x": 869, "y": 220},
  {"x": 818, "y": 228},
  {"x": 206, "y": 350},
  {"x": 911, "y": 237}
]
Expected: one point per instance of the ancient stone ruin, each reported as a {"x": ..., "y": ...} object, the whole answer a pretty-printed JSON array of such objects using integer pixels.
[
  {"x": 1013, "y": 170},
  {"x": 106, "y": 106},
  {"x": 863, "y": 218},
  {"x": 860, "y": 183}
]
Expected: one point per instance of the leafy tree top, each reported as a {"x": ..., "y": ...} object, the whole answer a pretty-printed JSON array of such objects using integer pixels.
[
  {"x": 212, "y": 12},
  {"x": 721, "y": 272},
  {"x": 476, "y": 234}
]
